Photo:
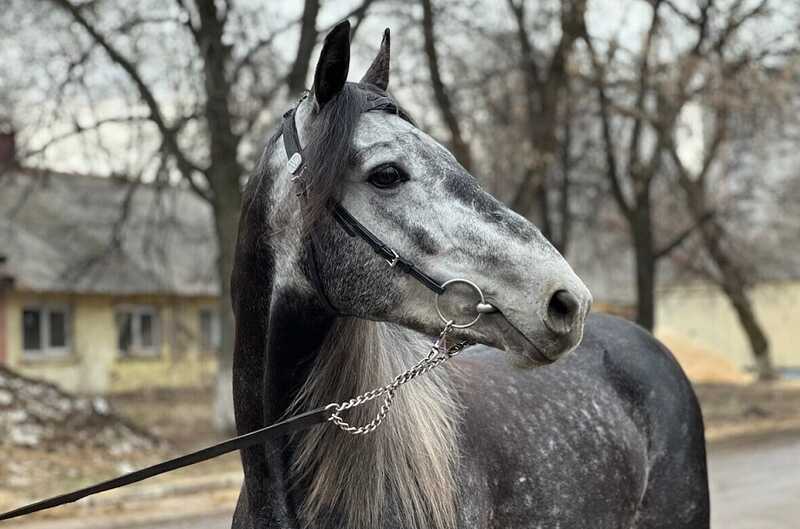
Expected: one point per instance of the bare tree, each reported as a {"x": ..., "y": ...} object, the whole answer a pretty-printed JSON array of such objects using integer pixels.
[
  {"x": 509, "y": 89},
  {"x": 547, "y": 90},
  {"x": 740, "y": 88},
  {"x": 206, "y": 144},
  {"x": 640, "y": 101}
]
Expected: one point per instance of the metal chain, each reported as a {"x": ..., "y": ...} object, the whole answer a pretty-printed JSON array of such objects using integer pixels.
[{"x": 437, "y": 355}]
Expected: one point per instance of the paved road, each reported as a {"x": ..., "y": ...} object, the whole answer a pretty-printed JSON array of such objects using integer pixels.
[
  {"x": 756, "y": 486},
  {"x": 216, "y": 521},
  {"x": 753, "y": 486}
]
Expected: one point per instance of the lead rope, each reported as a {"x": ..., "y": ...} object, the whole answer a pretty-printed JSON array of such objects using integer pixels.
[{"x": 438, "y": 354}]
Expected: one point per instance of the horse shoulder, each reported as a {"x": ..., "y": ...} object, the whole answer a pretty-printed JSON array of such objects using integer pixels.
[
  {"x": 646, "y": 375},
  {"x": 617, "y": 414},
  {"x": 663, "y": 403}
]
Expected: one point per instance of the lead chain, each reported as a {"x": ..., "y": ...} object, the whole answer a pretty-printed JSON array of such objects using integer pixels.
[{"x": 437, "y": 355}]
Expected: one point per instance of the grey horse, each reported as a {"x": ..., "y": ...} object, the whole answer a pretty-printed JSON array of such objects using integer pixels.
[{"x": 502, "y": 436}]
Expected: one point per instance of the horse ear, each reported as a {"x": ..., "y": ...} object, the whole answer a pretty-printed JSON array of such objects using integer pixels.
[
  {"x": 378, "y": 72},
  {"x": 333, "y": 64}
]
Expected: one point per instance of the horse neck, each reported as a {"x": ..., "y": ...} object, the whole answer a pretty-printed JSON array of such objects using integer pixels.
[
  {"x": 405, "y": 469},
  {"x": 298, "y": 326},
  {"x": 299, "y": 357}
]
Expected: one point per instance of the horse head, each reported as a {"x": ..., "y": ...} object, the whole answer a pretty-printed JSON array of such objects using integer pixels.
[{"x": 363, "y": 152}]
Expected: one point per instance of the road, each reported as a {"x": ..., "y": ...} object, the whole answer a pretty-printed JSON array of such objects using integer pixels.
[
  {"x": 753, "y": 486},
  {"x": 213, "y": 521},
  {"x": 756, "y": 486}
]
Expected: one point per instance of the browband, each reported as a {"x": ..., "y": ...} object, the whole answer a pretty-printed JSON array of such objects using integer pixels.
[{"x": 297, "y": 167}]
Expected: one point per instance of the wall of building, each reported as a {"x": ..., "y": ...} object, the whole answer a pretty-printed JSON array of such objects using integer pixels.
[
  {"x": 701, "y": 313},
  {"x": 94, "y": 365}
]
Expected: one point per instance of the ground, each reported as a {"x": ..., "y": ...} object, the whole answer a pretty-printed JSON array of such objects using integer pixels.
[
  {"x": 754, "y": 485},
  {"x": 753, "y": 431},
  {"x": 734, "y": 404}
]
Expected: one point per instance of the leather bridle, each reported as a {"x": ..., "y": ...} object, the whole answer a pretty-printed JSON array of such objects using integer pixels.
[{"x": 298, "y": 168}]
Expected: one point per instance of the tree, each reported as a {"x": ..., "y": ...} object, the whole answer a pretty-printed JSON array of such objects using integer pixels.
[
  {"x": 505, "y": 88},
  {"x": 206, "y": 141},
  {"x": 745, "y": 100},
  {"x": 641, "y": 96},
  {"x": 547, "y": 84},
  {"x": 441, "y": 94}
]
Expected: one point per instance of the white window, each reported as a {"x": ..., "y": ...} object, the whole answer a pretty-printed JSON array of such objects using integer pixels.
[
  {"x": 210, "y": 330},
  {"x": 138, "y": 331},
  {"x": 45, "y": 331}
]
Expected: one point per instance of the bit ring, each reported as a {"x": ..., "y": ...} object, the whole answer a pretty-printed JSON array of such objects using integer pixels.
[{"x": 451, "y": 321}]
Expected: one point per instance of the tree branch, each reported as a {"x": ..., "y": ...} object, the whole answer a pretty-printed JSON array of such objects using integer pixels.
[
  {"x": 185, "y": 166},
  {"x": 612, "y": 167},
  {"x": 679, "y": 239},
  {"x": 296, "y": 79},
  {"x": 261, "y": 44},
  {"x": 643, "y": 82}
]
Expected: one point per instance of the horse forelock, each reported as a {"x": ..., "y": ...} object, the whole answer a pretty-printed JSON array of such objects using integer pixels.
[
  {"x": 327, "y": 145},
  {"x": 406, "y": 468}
]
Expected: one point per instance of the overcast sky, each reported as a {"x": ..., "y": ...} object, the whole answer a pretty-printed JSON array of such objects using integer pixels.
[{"x": 624, "y": 19}]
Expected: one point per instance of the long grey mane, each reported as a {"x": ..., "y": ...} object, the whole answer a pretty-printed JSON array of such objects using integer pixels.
[
  {"x": 405, "y": 470},
  {"x": 407, "y": 466}
]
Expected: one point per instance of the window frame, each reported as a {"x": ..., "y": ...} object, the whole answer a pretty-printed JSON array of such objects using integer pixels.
[
  {"x": 136, "y": 349},
  {"x": 215, "y": 330},
  {"x": 46, "y": 351}
]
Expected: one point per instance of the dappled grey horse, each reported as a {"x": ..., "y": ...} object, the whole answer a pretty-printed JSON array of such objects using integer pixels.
[{"x": 610, "y": 436}]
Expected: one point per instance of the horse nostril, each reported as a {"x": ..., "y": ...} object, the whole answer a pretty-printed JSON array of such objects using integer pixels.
[{"x": 562, "y": 312}]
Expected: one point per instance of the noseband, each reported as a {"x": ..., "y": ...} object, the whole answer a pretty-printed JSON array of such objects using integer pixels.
[{"x": 297, "y": 167}]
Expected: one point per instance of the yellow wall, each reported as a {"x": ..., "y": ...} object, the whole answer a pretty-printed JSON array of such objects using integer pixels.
[
  {"x": 94, "y": 365},
  {"x": 703, "y": 314}
]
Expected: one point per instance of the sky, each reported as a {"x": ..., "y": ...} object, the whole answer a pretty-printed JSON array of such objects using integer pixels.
[{"x": 606, "y": 18}]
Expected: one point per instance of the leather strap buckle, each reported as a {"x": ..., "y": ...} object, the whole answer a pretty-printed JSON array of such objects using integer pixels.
[{"x": 393, "y": 260}]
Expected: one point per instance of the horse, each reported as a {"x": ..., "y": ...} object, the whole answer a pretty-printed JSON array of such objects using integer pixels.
[{"x": 514, "y": 432}]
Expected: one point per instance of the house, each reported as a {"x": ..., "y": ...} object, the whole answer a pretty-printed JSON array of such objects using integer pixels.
[
  {"x": 106, "y": 286},
  {"x": 700, "y": 312}
]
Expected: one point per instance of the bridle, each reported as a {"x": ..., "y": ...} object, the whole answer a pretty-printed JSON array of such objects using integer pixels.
[
  {"x": 438, "y": 353},
  {"x": 298, "y": 168}
]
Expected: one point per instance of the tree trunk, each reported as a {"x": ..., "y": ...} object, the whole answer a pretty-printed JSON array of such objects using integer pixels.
[
  {"x": 644, "y": 252},
  {"x": 458, "y": 144},
  {"x": 734, "y": 284},
  {"x": 759, "y": 344},
  {"x": 546, "y": 89},
  {"x": 296, "y": 80},
  {"x": 730, "y": 275},
  {"x": 226, "y": 220},
  {"x": 224, "y": 175}
]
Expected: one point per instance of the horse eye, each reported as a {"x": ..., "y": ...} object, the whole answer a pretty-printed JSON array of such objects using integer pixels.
[{"x": 386, "y": 177}]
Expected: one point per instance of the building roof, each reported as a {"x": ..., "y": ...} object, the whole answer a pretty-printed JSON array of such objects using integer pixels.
[{"x": 69, "y": 233}]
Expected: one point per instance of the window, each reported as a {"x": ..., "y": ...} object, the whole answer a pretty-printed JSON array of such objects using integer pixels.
[
  {"x": 210, "y": 330},
  {"x": 45, "y": 331},
  {"x": 137, "y": 331}
]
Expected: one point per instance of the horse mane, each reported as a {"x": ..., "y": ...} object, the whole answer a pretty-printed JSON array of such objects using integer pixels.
[
  {"x": 405, "y": 470},
  {"x": 406, "y": 467}
]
